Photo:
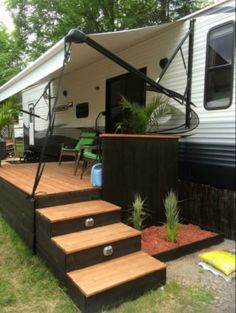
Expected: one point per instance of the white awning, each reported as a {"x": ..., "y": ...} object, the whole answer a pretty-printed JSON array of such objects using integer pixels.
[{"x": 47, "y": 66}]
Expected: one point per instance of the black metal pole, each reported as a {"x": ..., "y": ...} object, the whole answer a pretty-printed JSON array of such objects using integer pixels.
[
  {"x": 49, "y": 103},
  {"x": 189, "y": 74},
  {"x": 173, "y": 55},
  {"x": 77, "y": 36}
]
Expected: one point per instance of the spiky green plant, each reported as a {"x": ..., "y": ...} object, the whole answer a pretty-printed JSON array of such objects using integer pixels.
[
  {"x": 138, "y": 212},
  {"x": 172, "y": 215},
  {"x": 144, "y": 118}
]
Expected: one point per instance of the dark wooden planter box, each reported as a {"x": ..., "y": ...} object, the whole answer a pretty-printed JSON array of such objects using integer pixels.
[
  {"x": 144, "y": 164},
  {"x": 2, "y": 149},
  {"x": 179, "y": 252}
]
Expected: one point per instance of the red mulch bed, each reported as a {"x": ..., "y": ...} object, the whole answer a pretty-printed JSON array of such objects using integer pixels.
[{"x": 154, "y": 238}]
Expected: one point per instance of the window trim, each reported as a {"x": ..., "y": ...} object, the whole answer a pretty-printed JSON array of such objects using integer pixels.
[{"x": 208, "y": 69}]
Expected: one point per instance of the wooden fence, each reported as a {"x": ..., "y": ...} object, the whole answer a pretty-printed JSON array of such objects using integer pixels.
[{"x": 208, "y": 207}]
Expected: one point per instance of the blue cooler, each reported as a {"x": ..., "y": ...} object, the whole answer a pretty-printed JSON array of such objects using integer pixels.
[{"x": 96, "y": 175}]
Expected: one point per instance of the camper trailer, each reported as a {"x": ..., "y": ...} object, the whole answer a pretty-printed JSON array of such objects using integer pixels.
[{"x": 92, "y": 85}]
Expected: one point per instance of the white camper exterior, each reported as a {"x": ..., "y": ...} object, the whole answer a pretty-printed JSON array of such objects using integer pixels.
[
  {"x": 206, "y": 154},
  {"x": 18, "y": 128},
  {"x": 209, "y": 147}
]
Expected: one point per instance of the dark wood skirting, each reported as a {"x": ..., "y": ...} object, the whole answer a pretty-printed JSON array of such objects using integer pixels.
[
  {"x": 18, "y": 211},
  {"x": 189, "y": 248},
  {"x": 147, "y": 166}
]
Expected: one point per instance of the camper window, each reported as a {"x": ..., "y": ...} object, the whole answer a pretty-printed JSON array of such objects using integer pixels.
[
  {"x": 82, "y": 110},
  {"x": 219, "y": 67}
]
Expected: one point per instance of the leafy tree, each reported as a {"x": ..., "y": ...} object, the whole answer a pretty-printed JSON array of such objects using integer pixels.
[
  {"x": 40, "y": 23},
  {"x": 8, "y": 112},
  {"x": 9, "y": 58}
]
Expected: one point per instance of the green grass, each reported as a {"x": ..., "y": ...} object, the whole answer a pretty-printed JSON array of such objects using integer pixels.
[
  {"x": 27, "y": 286},
  {"x": 19, "y": 149},
  {"x": 172, "y": 298}
]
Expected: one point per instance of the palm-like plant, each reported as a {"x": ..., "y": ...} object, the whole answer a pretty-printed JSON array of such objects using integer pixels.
[
  {"x": 8, "y": 111},
  {"x": 142, "y": 119}
]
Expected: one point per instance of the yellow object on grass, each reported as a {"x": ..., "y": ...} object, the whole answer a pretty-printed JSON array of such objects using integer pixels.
[{"x": 223, "y": 261}]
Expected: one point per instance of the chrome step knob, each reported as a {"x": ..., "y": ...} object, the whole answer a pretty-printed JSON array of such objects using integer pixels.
[
  {"x": 89, "y": 222},
  {"x": 108, "y": 250}
]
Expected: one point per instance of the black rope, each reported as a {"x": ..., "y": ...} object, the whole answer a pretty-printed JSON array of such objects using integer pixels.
[{"x": 41, "y": 164}]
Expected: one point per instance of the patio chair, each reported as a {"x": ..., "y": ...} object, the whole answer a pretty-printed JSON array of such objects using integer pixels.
[
  {"x": 86, "y": 139},
  {"x": 90, "y": 155}
]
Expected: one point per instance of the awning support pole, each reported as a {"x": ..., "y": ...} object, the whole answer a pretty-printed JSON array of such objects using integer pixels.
[
  {"x": 189, "y": 74},
  {"x": 77, "y": 36}
]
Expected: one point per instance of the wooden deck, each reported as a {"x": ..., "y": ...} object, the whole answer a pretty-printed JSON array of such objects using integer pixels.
[
  {"x": 55, "y": 179},
  {"x": 78, "y": 234}
]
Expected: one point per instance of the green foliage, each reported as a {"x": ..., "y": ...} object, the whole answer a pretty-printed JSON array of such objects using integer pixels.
[
  {"x": 8, "y": 111},
  {"x": 19, "y": 149},
  {"x": 138, "y": 212},
  {"x": 9, "y": 59},
  {"x": 142, "y": 119},
  {"x": 26, "y": 284},
  {"x": 172, "y": 298},
  {"x": 172, "y": 215},
  {"x": 40, "y": 23}
]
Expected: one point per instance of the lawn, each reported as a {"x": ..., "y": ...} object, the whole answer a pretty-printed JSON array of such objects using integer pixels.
[
  {"x": 26, "y": 285},
  {"x": 19, "y": 149}
]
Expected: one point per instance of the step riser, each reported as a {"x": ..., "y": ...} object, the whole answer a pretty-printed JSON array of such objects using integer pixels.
[
  {"x": 95, "y": 255},
  {"x": 72, "y": 197},
  {"x": 74, "y": 225},
  {"x": 116, "y": 295},
  {"x": 87, "y": 257}
]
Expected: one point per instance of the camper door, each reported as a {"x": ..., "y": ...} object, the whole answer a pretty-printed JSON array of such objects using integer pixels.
[{"x": 31, "y": 124}]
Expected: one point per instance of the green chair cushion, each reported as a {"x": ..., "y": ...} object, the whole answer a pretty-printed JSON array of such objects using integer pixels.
[
  {"x": 89, "y": 155},
  {"x": 85, "y": 140}
]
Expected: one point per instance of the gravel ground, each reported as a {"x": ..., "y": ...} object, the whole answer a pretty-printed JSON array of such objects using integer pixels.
[{"x": 186, "y": 270}]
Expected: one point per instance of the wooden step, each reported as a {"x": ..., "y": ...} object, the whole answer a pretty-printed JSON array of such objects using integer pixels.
[
  {"x": 86, "y": 247},
  {"x": 77, "y": 210},
  {"x": 104, "y": 235},
  {"x": 110, "y": 282},
  {"x": 63, "y": 219}
]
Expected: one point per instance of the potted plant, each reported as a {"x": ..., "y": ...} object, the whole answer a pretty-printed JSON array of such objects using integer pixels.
[
  {"x": 144, "y": 119},
  {"x": 8, "y": 111}
]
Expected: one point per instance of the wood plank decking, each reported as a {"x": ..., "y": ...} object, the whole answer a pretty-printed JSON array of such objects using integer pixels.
[{"x": 55, "y": 179}]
